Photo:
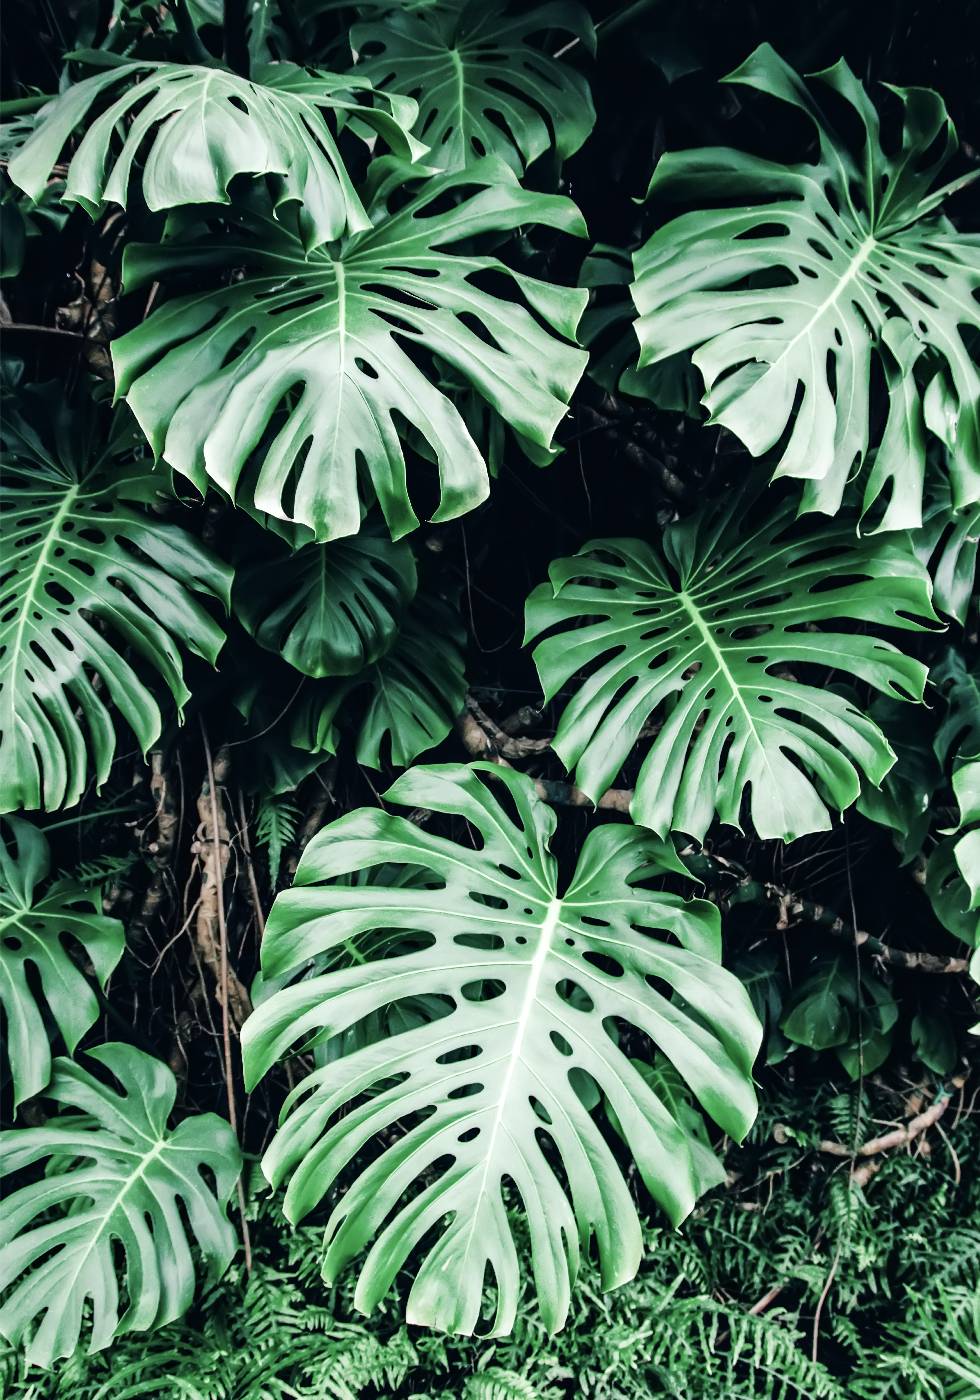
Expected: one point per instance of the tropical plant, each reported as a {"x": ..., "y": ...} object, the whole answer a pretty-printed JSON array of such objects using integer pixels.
[
  {"x": 481, "y": 85},
  {"x": 809, "y": 274},
  {"x": 205, "y": 374},
  {"x": 305, "y": 388},
  {"x": 39, "y": 928},
  {"x": 85, "y": 567},
  {"x": 205, "y": 127}
]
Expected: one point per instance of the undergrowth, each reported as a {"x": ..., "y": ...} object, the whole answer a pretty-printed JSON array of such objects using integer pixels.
[{"x": 723, "y": 1309}]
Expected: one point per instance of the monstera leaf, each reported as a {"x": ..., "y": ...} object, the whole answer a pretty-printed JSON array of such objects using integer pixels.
[
  {"x": 337, "y": 334},
  {"x": 958, "y": 745},
  {"x": 483, "y": 1097},
  {"x": 608, "y": 330},
  {"x": 196, "y": 128},
  {"x": 328, "y": 609},
  {"x": 37, "y": 971},
  {"x": 482, "y": 86},
  {"x": 699, "y": 634},
  {"x": 810, "y": 276},
  {"x": 111, "y": 1224},
  {"x": 86, "y": 580},
  {"x": 413, "y": 693}
]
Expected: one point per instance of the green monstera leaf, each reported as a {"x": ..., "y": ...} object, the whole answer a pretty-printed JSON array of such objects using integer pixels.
[
  {"x": 948, "y": 543},
  {"x": 482, "y": 86},
  {"x": 195, "y": 128},
  {"x": 103, "y": 1240},
  {"x": 413, "y": 693},
  {"x": 328, "y": 609},
  {"x": 337, "y": 334},
  {"x": 809, "y": 276},
  {"x": 88, "y": 580},
  {"x": 834, "y": 1009},
  {"x": 38, "y": 930},
  {"x": 699, "y": 634},
  {"x": 957, "y": 746},
  {"x": 531, "y": 980}
]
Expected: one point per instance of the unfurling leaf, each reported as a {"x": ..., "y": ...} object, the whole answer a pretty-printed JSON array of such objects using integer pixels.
[{"x": 483, "y": 1094}]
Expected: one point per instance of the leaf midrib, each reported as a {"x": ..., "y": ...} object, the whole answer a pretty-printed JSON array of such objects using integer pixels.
[
  {"x": 724, "y": 670},
  {"x": 40, "y": 564}
]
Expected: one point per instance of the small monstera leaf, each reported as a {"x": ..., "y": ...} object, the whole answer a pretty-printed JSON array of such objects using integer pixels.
[
  {"x": 38, "y": 930},
  {"x": 483, "y": 87},
  {"x": 328, "y": 609},
  {"x": 87, "y": 581},
  {"x": 338, "y": 333},
  {"x": 699, "y": 634},
  {"x": 413, "y": 693},
  {"x": 811, "y": 276},
  {"x": 196, "y": 128},
  {"x": 947, "y": 543},
  {"x": 487, "y": 1098},
  {"x": 110, "y": 1225}
]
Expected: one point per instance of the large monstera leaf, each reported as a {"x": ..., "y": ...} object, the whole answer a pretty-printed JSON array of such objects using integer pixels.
[
  {"x": 540, "y": 992},
  {"x": 89, "y": 581},
  {"x": 483, "y": 87},
  {"x": 811, "y": 276},
  {"x": 103, "y": 1240},
  {"x": 38, "y": 928},
  {"x": 195, "y": 128},
  {"x": 333, "y": 339},
  {"x": 704, "y": 636},
  {"x": 328, "y": 609}
]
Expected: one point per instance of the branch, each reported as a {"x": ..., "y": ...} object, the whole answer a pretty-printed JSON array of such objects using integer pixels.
[
  {"x": 793, "y": 908},
  {"x": 897, "y": 1137}
]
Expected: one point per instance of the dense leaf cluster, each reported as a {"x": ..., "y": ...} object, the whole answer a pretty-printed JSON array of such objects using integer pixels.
[{"x": 341, "y": 349}]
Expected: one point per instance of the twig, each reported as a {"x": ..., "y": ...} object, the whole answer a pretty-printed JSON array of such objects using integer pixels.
[{"x": 897, "y": 1137}]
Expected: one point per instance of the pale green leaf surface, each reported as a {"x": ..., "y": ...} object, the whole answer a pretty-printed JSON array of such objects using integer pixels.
[
  {"x": 196, "y": 128},
  {"x": 38, "y": 929},
  {"x": 475, "y": 1090},
  {"x": 483, "y": 87},
  {"x": 337, "y": 334},
  {"x": 88, "y": 580},
  {"x": 705, "y": 635},
  {"x": 120, "y": 1186},
  {"x": 811, "y": 274}
]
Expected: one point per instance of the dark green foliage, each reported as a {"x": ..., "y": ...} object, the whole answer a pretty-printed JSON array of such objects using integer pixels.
[{"x": 336, "y": 337}]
